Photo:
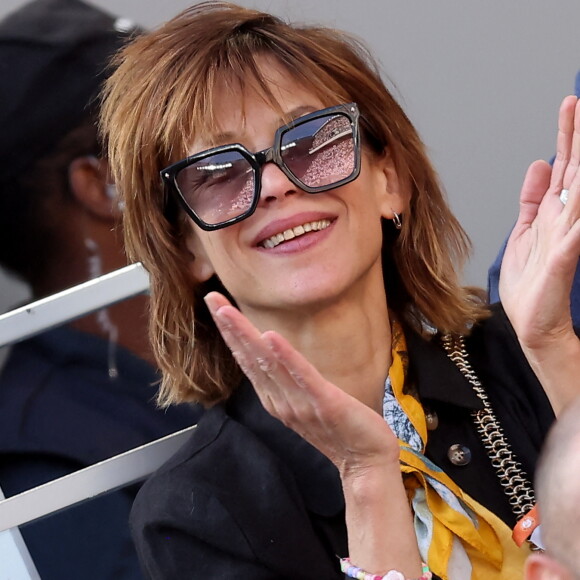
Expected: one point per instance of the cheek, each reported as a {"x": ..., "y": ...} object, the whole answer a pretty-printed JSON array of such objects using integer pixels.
[
  {"x": 372, "y": 196},
  {"x": 194, "y": 245},
  {"x": 218, "y": 253}
]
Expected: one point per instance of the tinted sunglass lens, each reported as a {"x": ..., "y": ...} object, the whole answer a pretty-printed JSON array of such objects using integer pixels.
[
  {"x": 320, "y": 152},
  {"x": 218, "y": 188}
]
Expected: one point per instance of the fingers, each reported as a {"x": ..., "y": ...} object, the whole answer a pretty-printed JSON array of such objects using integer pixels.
[
  {"x": 565, "y": 142},
  {"x": 273, "y": 354},
  {"x": 247, "y": 347},
  {"x": 215, "y": 300},
  {"x": 574, "y": 162},
  {"x": 536, "y": 182},
  {"x": 567, "y": 161},
  {"x": 542, "y": 180},
  {"x": 569, "y": 222},
  {"x": 277, "y": 371},
  {"x": 302, "y": 372},
  {"x": 570, "y": 209}
]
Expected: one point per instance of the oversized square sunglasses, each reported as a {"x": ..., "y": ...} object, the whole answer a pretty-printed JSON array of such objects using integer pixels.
[{"x": 221, "y": 186}]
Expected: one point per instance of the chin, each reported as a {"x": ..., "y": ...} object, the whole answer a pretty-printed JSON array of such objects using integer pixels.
[{"x": 308, "y": 296}]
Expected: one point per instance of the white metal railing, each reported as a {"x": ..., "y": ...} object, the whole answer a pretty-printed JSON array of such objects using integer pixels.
[
  {"x": 67, "y": 305},
  {"x": 90, "y": 482},
  {"x": 119, "y": 471}
]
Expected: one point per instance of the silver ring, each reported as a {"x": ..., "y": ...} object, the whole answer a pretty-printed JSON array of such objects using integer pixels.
[{"x": 564, "y": 196}]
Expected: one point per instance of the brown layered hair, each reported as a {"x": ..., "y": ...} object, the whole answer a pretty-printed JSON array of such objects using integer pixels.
[{"x": 160, "y": 98}]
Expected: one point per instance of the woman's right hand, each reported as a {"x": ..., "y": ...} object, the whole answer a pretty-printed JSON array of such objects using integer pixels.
[{"x": 353, "y": 436}]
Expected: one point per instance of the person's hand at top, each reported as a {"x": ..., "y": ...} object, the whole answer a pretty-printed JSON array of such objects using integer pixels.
[{"x": 540, "y": 261}]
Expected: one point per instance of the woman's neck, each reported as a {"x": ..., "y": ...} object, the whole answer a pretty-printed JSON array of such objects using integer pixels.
[{"x": 348, "y": 340}]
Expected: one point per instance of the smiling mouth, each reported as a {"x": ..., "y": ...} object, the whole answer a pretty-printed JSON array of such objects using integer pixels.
[{"x": 295, "y": 232}]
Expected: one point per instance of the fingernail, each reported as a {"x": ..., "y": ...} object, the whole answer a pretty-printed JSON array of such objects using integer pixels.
[
  {"x": 215, "y": 310},
  {"x": 210, "y": 300}
]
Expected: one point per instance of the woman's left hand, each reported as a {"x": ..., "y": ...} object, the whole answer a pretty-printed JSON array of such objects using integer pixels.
[
  {"x": 543, "y": 249},
  {"x": 542, "y": 254}
]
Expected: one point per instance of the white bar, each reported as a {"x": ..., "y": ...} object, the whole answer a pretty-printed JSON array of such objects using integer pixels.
[
  {"x": 118, "y": 471},
  {"x": 15, "y": 557},
  {"x": 67, "y": 305}
]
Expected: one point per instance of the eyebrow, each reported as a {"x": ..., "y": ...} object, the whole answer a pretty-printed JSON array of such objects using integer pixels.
[{"x": 229, "y": 137}]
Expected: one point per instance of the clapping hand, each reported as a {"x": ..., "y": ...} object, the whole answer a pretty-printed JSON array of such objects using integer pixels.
[
  {"x": 543, "y": 249},
  {"x": 353, "y": 436},
  {"x": 540, "y": 261},
  {"x": 350, "y": 434}
]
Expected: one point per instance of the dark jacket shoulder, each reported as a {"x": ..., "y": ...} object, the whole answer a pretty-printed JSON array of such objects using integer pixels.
[{"x": 230, "y": 503}]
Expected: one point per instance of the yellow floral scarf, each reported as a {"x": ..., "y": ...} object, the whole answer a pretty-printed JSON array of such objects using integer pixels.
[{"x": 458, "y": 537}]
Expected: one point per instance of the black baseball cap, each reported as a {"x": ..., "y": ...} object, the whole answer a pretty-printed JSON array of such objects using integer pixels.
[{"x": 54, "y": 57}]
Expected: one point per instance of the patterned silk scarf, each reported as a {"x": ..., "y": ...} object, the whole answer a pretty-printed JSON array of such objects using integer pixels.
[{"x": 458, "y": 537}]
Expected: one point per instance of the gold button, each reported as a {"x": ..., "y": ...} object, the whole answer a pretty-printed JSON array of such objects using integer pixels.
[{"x": 432, "y": 420}]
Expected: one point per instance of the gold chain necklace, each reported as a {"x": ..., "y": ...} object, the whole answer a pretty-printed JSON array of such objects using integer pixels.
[{"x": 512, "y": 478}]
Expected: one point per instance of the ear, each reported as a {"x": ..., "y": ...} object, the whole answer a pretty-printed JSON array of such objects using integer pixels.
[
  {"x": 394, "y": 193},
  {"x": 91, "y": 186},
  {"x": 543, "y": 567},
  {"x": 200, "y": 266}
]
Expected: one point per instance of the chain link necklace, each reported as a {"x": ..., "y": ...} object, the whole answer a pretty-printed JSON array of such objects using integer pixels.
[{"x": 512, "y": 477}]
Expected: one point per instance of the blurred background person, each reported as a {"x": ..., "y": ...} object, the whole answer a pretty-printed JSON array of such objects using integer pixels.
[
  {"x": 558, "y": 492},
  {"x": 84, "y": 392}
]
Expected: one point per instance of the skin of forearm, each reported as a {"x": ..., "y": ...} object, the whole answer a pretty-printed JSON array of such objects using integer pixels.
[{"x": 381, "y": 535}]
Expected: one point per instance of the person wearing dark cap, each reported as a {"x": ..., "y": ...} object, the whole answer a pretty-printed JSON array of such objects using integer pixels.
[{"x": 82, "y": 393}]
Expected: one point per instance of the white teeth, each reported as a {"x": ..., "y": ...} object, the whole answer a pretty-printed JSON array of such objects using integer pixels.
[{"x": 289, "y": 234}]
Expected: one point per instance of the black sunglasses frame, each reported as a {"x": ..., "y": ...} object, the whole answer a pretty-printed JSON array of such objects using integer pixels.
[{"x": 257, "y": 160}]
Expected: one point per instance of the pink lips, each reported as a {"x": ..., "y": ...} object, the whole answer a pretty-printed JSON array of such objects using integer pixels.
[{"x": 300, "y": 242}]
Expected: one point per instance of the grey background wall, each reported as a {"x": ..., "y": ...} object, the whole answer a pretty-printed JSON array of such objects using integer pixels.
[{"x": 481, "y": 80}]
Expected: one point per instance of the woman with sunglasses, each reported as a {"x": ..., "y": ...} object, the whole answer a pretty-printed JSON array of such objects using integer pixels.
[{"x": 360, "y": 402}]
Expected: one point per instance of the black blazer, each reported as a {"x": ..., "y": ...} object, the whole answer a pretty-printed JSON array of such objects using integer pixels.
[{"x": 247, "y": 498}]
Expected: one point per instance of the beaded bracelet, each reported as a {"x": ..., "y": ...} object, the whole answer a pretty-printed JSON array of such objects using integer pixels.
[{"x": 353, "y": 572}]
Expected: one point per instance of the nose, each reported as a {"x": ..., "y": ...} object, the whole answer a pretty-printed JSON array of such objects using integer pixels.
[{"x": 275, "y": 184}]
